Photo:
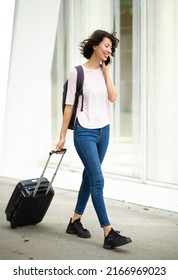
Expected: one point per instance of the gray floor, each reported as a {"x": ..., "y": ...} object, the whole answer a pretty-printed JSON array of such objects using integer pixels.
[{"x": 154, "y": 232}]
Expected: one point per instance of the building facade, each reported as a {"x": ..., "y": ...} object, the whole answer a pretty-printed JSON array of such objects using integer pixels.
[{"x": 45, "y": 46}]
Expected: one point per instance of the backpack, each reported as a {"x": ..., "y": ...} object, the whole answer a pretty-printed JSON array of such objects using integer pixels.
[{"x": 79, "y": 91}]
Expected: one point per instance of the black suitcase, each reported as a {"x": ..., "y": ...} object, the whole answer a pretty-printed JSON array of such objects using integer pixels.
[{"x": 31, "y": 198}]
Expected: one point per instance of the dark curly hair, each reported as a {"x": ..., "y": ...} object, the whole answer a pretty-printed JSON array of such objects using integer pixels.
[{"x": 86, "y": 47}]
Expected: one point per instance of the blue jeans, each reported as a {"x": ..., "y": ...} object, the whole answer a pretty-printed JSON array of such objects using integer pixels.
[{"x": 91, "y": 146}]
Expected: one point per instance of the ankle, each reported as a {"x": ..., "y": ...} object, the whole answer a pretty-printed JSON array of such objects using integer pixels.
[
  {"x": 107, "y": 230},
  {"x": 75, "y": 217}
]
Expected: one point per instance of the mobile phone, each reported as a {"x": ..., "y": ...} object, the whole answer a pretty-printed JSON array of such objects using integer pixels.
[{"x": 107, "y": 61}]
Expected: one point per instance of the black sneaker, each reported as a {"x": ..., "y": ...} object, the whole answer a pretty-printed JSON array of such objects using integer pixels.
[
  {"x": 114, "y": 239},
  {"x": 77, "y": 228}
]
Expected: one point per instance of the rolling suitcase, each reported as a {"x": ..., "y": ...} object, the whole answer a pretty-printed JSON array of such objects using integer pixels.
[{"x": 31, "y": 198}]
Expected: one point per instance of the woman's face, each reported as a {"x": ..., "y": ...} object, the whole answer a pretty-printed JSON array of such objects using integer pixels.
[{"x": 103, "y": 50}]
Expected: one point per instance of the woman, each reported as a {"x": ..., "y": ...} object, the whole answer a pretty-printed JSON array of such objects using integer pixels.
[{"x": 91, "y": 132}]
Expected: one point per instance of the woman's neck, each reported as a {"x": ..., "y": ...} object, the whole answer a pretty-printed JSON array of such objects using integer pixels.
[{"x": 92, "y": 64}]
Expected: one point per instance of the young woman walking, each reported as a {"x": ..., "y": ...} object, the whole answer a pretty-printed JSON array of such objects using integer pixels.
[{"x": 91, "y": 132}]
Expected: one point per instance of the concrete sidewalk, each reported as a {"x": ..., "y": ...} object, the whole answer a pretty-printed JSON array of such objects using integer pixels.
[{"x": 154, "y": 232}]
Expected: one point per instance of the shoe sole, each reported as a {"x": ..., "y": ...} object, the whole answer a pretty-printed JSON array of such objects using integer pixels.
[
  {"x": 71, "y": 232},
  {"x": 75, "y": 233},
  {"x": 125, "y": 242}
]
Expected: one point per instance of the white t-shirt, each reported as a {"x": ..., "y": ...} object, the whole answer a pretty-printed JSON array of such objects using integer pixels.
[{"x": 96, "y": 106}]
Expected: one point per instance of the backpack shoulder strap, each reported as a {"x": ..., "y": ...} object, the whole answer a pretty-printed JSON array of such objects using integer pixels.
[
  {"x": 79, "y": 85},
  {"x": 80, "y": 77}
]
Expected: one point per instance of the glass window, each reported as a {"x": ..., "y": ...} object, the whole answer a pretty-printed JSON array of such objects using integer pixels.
[
  {"x": 125, "y": 151},
  {"x": 162, "y": 88}
]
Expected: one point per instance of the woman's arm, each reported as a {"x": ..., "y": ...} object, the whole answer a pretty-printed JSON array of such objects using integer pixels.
[
  {"x": 65, "y": 123},
  {"x": 111, "y": 89}
]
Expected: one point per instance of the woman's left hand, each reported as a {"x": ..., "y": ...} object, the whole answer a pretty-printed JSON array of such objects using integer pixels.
[{"x": 105, "y": 68}]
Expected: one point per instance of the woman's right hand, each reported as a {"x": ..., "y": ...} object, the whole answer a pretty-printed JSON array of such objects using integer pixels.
[{"x": 60, "y": 144}]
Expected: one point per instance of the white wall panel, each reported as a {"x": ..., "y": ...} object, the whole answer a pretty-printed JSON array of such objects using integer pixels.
[
  {"x": 6, "y": 25},
  {"x": 27, "y": 118}
]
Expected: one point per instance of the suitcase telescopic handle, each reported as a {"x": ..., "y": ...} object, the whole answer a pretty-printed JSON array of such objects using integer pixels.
[{"x": 59, "y": 151}]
